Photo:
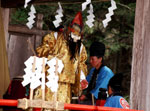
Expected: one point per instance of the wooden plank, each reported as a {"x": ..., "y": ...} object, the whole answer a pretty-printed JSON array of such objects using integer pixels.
[
  {"x": 25, "y": 103},
  {"x": 18, "y": 52},
  {"x": 20, "y": 3},
  {"x": 25, "y": 30}
]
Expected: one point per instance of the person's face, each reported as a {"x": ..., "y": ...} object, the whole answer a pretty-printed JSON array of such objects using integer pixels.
[
  {"x": 75, "y": 37},
  {"x": 76, "y": 33},
  {"x": 95, "y": 61},
  {"x": 109, "y": 90}
]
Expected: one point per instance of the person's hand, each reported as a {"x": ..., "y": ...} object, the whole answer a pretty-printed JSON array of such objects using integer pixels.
[
  {"x": 84, "y": 84},
  {"x": 82, "y": 97}
]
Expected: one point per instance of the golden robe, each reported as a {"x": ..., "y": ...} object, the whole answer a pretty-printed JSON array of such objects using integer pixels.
[{"x": 54, "y": 45}]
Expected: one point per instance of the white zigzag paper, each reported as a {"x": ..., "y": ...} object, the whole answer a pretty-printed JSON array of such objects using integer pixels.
[
  {"x": 30, "y": 77},
  {"x": 26, "y": 3},
  {"x": 84, "y": 5},
  {"x": 31, "y": 17},
  {"x": 110, "y": 13},
  {"x": 90, "y": 17},
  {"x": 33, "y": 78},
  {"x": 58, "y": 16},
  {"x": 53, "y": 78}
]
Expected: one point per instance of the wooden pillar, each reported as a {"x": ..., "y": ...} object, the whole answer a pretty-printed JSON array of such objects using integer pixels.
[
  {"x": 39, "y": 25},
  {"x": 4, "y": 73},
  {"x": 5, "y": 15},
  {"x": 140, "y": 74}
]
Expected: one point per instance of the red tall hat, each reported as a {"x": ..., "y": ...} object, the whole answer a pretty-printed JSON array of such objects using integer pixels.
[{"x": 78, "y": 19}]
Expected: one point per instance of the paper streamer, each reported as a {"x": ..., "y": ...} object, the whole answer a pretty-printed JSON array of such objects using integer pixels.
[
  {"x": 53, "y": 82},
  {"x": 31, "y": 17},
  {"x": 90, "y": 17},
  {"x": 26, "y": 3},
  {"x": 84, "y": 5},
  {"x": 110, "y": 13},
  {"x": 33, "y": 78},
  {"x": 58, "y": 16},
  {"x": 53, "y": 78}
]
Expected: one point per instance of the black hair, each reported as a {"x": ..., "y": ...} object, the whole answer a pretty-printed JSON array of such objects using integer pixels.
[
  {"x": 116, "y": 82},
  {"x": 74, "y": 47}
]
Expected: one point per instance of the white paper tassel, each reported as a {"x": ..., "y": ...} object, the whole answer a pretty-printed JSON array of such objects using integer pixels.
[
  {"x": 90, "y": 17},
  {"x": 53, "y": 78},
  {"x": 33, "y": 78},
  {"x": 31, "y": 17},
  {"x": 58, "y": 16},
  {"x": 84, "y": 5},
  {"x": 110, "y": 13},
  {"x": 26, "y": 3}
]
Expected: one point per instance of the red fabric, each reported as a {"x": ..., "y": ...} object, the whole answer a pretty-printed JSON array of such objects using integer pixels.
[
  {"x": 15, "y": 91},
  {"x": 100, "y": 102},
  {"x": 36, "y": 109}
]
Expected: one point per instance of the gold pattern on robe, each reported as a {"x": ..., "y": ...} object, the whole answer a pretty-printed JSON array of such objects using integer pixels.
[{"x": 69, "y": 79}]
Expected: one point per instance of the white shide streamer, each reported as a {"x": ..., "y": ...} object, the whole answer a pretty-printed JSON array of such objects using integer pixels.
[
  {"x": 34, "y": 78},
  {"x": 90, "y": 17},
  {"x": 31, "y": 17},
  {"x": 84, "y": 5},
  {"x": 30, "y": 77},
  {"x": 58, "y": 16},
  {"x": 52, "y": 77},
  {"x": 110, "y": 13},
  {"x": 26, "y": 3}
]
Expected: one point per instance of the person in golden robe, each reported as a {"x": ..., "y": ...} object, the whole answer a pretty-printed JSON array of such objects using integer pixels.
[{"x": 66, "y": 46}]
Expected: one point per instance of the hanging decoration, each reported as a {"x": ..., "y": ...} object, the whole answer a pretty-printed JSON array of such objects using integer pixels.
[
  {"x": 110, "y": 13},
  {"x": 58, "y": 16},
  {"x": 31, "y": 17},
  {"x": 55, "y": 69},
  {"x": 31, "y": 14},
  {"x": 33, "y": 72},
  {"x": 90, "y": 17},
  {"x": 84, "y": 5},
  {"x": 26, "y": 3}
]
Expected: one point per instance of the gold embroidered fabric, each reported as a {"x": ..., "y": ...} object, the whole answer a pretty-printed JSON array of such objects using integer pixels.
[{"x": 69, "y": 79}]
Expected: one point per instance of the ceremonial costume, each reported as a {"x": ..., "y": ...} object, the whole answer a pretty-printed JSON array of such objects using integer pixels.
[{"x": 56, "y": 45}]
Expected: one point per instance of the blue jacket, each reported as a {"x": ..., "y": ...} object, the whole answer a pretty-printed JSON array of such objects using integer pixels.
[
  {"x": 103, "y": 78},
  {"x": 117, "y": 102}
]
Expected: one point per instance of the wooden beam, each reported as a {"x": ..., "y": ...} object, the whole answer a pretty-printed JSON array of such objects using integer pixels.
[
  {"x": 12, "y": 3},
  {"x": 20, "y": 3},
  {"x": 25, "y": 30}
]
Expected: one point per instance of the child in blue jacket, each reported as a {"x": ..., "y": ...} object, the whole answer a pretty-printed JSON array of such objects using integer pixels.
[{"x": 115, "y": 98}]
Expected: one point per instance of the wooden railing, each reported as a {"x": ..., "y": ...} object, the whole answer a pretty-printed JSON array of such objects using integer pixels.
[{"x": 62, "y": 106}]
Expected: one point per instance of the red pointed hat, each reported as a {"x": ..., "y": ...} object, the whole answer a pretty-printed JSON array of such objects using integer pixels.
[{"x": 78, "y": 19}]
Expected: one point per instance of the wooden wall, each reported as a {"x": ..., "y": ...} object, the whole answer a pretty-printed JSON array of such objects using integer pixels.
[
  {"x": 140, "y": 78},
  {"x": 19, "y": 50}
]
